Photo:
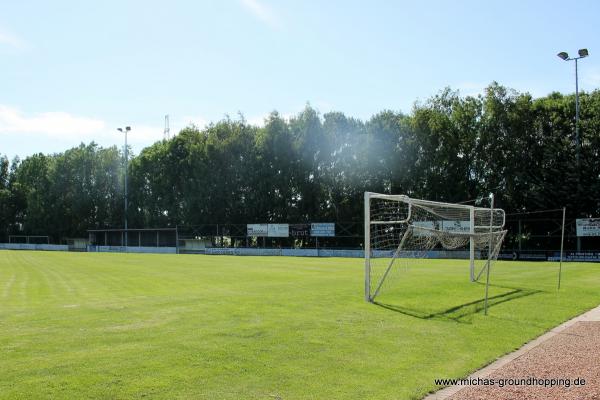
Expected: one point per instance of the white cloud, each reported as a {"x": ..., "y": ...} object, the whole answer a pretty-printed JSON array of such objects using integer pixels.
[
  {"x": 475, "y": 88},
  {"x": 191, "y": 120},
  {"x": 144, "y": 135},
  {"x": 471, "y": 88},
  {"x": 55, "y": 124},
  {"x": 12, "y": 40},
  {"x": 591, "y": 79},
  {"x": 262, "y": 12},
  {"x": 55, "y": 131},
  {"x": 324, "y": 106},
  {"x": 259, "y": 120}
]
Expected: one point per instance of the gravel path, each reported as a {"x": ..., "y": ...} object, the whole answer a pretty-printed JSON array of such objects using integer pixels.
[{"x": 573, "y": 353}]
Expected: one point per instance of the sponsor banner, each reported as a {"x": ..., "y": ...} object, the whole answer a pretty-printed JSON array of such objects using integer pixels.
[
  {"x": 508, "y": 255},
  {"x": 446, "y": 226},
  {"x": 322, "y": 229},
  {"x": 278, "y": 230},
  {"x": 541, "y": 256},
  {"x": 423, "y": 224},
  {"x": 591, "y": 256},
  {"x": 456, "y": 226},
  {"x": 588, "y": 226},
  {"x": 299, "y": 230},
  {"x": 257, "y": 229}
]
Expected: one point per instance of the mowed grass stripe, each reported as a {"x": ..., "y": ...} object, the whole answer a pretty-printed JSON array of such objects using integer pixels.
[
  {"x": 218, "y": 327},
  {"x": 8, "y": 282}
]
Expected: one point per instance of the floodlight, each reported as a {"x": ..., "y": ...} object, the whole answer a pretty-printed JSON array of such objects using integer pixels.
[
  {"x": 565, "y": 57},
  {"x": 127, "y": 129}
]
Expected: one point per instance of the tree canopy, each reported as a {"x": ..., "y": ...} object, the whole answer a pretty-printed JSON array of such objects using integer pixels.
[{"x": 314, "y": 167}]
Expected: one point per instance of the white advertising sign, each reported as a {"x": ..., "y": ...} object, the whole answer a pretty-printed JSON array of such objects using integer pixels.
[
  {"x": 456, "y": 226},
  {"x": 423, "y": 224},
  {"x": 588, "y": 226},
  {"x": 446, "y": 226},
  {"x": 322, "y": 229},
  {"x": 257, "y": 229},
  {"x": 278, "y": 230}
]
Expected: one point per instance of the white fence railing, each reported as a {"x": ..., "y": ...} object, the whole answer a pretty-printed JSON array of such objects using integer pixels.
[
  {"x": 26, "y": 246},
  {"x": 237, "y": 251},
  {"x": 246, "y": 251},
  {"x": 132, "y": 249}
]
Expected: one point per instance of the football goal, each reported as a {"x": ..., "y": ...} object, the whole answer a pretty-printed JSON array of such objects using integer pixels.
[{"x": 399, "y": 231}]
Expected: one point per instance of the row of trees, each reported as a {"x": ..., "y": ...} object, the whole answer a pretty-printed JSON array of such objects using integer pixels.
[{"x": 316, "y": 167}]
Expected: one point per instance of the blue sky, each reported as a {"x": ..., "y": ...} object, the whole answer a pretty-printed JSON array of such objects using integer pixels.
[{"x": 74, "y": 71}]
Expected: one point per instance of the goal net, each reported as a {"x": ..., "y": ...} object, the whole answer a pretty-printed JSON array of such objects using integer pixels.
[{"x": 400, "y": 231}]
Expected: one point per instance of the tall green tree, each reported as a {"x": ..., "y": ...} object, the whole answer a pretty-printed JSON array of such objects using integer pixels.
[
  {"x": 314, "y": 167},
  {"x": 6, "y": 219}
]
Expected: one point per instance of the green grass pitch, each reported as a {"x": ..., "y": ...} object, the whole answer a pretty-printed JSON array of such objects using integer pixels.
[{"x": 125, "y": 326}]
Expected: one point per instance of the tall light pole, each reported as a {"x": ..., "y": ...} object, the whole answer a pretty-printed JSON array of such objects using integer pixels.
[
  {"x": 127, "y": 129},
  {"x": 564, "y": 56}
]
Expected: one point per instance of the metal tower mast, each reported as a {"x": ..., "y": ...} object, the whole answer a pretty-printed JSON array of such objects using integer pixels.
[{"x": 167, "y": 131}]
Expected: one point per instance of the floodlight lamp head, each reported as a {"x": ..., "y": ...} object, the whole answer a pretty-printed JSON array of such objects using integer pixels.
[
  {"x": 120, "y": 129},
  {"x": 583, "y": 53},
  {"x": 563, "y": 55},
  {"x": 127, "y": 128}
]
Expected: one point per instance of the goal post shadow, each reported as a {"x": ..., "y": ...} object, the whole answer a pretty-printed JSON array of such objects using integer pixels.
[{"x": 460, "y": 313}]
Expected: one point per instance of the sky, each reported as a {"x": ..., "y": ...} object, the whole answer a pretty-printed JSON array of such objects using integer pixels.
[{"x": 75, "y": 71}]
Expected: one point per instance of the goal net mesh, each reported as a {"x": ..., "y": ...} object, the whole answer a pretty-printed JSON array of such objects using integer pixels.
[{"x": 403, "y": 231}]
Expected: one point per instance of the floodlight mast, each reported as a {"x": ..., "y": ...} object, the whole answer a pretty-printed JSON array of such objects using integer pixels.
[
  {"x": 565, "y": 57},
  {"x": 127, "y": 129}
]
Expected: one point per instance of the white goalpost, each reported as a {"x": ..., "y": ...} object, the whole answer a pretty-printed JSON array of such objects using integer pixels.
[{"x": 399, "y": 231}]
